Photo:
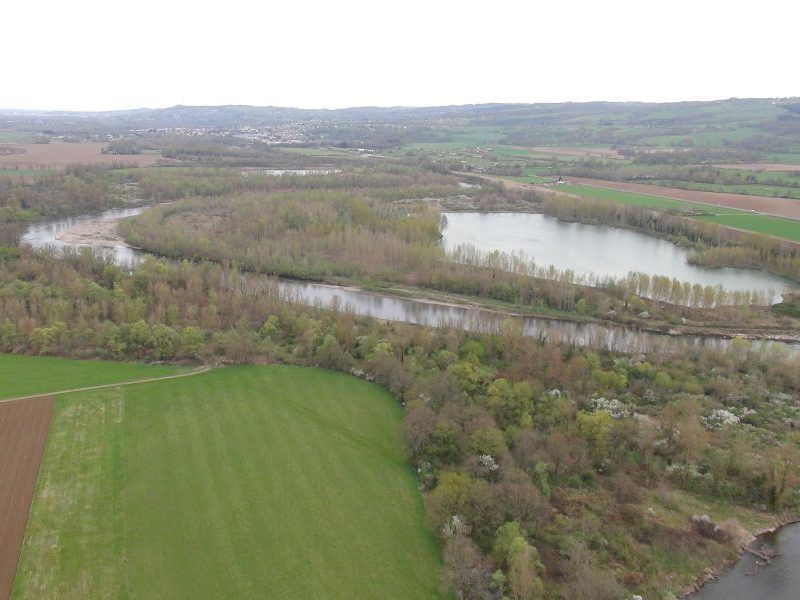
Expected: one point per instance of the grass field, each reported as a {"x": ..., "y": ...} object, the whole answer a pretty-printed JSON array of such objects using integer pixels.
[
  {"x": 626, "y": 197},
  {"x": 246, "y": 482},
  {"x": 776, "y": 226},
  {"x": 783, "y": 228},
  {"x": 23, "y": 375}
]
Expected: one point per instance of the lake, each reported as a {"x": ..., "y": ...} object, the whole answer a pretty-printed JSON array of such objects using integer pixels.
[
  {"x": 594, "y": 249},
  {"x": 409, "y": 310}
]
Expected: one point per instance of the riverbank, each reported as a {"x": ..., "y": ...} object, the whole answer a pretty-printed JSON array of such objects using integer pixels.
[
  {"x": 621, "y": 332},
  {"x": 102, "y": 233},
  {"x": 514, "y": 311},
  {"x": 714, "y": 572}
]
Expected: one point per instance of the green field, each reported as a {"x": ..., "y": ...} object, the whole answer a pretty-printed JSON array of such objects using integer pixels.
[
  {"x": 245, "y": 482},
  {"x": 776, "y": 226},
  {"x": 23, "y": 375},
  {"x": 783, "y": 228}
]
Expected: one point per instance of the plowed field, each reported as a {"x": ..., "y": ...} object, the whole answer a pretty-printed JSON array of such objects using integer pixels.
[{"x": 23, "y": 430}]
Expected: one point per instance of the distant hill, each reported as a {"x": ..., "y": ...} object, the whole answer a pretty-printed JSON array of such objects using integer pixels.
[{"x": 746, "y": 122}]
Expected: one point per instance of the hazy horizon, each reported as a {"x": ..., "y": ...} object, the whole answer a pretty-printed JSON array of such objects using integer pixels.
[
  {"x": 355, "y": 53},
  {"x": 384, "y": 106}
]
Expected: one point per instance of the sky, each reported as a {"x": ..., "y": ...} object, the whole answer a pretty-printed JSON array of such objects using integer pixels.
[{"x": 101, "y": 55}]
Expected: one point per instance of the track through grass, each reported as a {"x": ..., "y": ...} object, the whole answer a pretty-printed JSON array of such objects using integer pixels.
[
  {"x": 26, "y": 375},
  {"x": 267, "y": 482}
]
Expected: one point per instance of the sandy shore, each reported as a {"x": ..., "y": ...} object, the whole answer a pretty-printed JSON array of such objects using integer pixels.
[{"x": 102, "y": 233}]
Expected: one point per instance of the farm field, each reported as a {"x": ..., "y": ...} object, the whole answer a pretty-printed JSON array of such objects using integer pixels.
[
  {"x": 23, "y": 429},
  {"x": 60, "y": 154},
  {"x": 761, "y": 167},
  {"x": 782, "y": 207},
  {"x": 24, "y": 375},
  {"x": 774, "y": 191},
  {"x": 278, "y": 482},
  {"x": 738, "y": 219}
]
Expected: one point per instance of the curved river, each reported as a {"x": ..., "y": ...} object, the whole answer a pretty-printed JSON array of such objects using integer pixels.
[{"x": 69, "y": 232}]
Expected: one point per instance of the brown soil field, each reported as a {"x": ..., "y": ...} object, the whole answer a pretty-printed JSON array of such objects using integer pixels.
[
  {"x": 23, "y": 430},
  {"x": 779, "y": 207},
  {"x": 62, "y": 154},
  {"x": 767, "y": 167}
]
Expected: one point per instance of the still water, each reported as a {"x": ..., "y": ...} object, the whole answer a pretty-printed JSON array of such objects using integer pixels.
[
  {"x": 779, "y": 580},
  {"x": 47, "y": 233},
  {"x": 592, "y": 249},
  {"x": 415, "y": 311}
]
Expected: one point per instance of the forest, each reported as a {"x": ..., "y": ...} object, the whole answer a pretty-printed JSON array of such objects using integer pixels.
[
  {"x": 547, "y": 469},
  {"x": 383, "y": 228}
]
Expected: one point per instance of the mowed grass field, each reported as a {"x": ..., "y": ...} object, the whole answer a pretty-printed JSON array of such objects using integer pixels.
[
  {"x": 245, "y": 482},
  {"x": 776, "y": 226},
  {"x": 24, "y": 375}
]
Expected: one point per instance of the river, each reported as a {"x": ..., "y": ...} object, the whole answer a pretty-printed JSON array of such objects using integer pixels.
[
  {"x": 60, "y": 233},
  {"x": 596, "y": 250},
  {"x": 779, "y": 580}
]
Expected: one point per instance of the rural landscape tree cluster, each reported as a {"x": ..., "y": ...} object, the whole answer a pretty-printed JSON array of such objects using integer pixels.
[
  {"x": 547, "y": 469},
  {"x": 542, "y": 464}
]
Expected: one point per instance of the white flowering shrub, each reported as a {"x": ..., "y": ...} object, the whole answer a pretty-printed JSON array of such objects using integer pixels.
[
  {"x": 487, "y": 462},
  {"x": 720, "y": 418},
  {"x": 613, "y": 407},
  {"x": 453, "y": 526}
]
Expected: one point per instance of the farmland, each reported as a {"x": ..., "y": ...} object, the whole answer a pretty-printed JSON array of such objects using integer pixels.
[
  {"x": 228, "y": 484},
  {"x": 26, "y": 375},
  {"x": 23, "y": 428},
  {"x": 60, "y": 154},
  {"x": 574, "y": 468},
  {"x": 738, "y": 219},
  {"x": 781, "y": 207}
]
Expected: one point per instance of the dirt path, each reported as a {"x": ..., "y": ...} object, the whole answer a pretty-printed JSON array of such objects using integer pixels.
[
  {"x": 24, "y": 422},
  {"x": 107, "y": 385},
  {"x": 23, "y": 431}
]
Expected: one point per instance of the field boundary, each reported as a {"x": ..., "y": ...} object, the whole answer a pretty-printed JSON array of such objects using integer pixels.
[
  {"x": 681, "y": 195},
  {"x": 23, "y": 432},
  {"x": 108, "y": 385}
]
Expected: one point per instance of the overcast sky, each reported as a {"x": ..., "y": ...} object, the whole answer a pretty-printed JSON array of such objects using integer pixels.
[{"x": 99, "y": 55}]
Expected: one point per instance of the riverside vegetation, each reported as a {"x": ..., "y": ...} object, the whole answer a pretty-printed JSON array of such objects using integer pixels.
[
  {"x": 381, "y": 229},
  {"x": 547, "y": 470}
]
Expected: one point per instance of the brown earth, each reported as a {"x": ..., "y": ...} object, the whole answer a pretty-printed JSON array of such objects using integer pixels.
[
  {"x": 60, "y": 154},
  {"x": 779, "y": 207},
  {"x": 767, "y": 167},
  {"x": 23, "y": 430}
]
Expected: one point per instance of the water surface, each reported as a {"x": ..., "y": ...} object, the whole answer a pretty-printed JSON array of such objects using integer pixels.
[
  {"x": 45, "y": 233},
  {"x": 593, "y": 249},
  {"x": 779, "y": 580},
  {"x": 416, "y": 311}
]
